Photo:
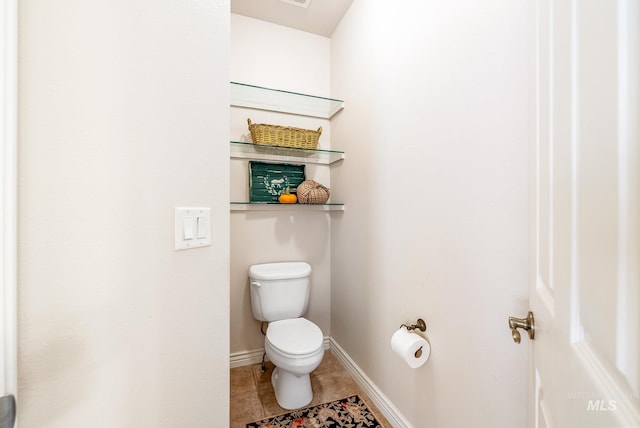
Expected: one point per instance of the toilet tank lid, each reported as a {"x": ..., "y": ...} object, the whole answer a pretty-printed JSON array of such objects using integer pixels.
[{"x": 285, "y": 270}]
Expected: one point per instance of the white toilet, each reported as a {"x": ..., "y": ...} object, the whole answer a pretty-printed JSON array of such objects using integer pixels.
[{"x": 280, "y": 295}]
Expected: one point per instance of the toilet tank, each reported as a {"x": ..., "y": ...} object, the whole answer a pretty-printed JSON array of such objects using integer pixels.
[{"x": 279, "y": 290}]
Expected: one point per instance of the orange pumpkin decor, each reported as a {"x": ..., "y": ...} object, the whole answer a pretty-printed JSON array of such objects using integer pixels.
[{"x": 287, "y": 197}]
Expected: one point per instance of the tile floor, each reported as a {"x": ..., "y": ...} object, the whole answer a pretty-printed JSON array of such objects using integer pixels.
[{"x": 252, "y": 396}]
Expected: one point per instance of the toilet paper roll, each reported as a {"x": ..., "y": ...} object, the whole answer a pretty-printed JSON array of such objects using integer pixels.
[{"x": 411, "y": 347}]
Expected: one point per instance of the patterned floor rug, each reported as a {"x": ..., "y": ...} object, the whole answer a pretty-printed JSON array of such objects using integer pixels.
[{"x": 349, "y": 412}]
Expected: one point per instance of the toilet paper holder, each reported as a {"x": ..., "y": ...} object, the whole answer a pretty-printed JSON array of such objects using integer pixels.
[{"x": 420, "y": 325}]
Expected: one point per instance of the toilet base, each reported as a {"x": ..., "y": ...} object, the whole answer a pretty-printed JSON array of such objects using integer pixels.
[{"x": 292, "y": 391}]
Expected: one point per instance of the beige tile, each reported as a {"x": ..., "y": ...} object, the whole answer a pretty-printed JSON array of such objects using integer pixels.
[
  {"x": 241, "y": 380},
  {"x": 245, "y": 407},
  {"x": 322, "y": 386},
  {"x": 329, "y": 364},
  {"x": 263, "y": 379},
  {"x": 270, "y": 405},
  {"x": 345, "y": 385}
]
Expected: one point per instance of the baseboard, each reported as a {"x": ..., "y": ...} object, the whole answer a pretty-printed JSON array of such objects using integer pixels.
[
  {"x": 246, "y": 358},
  {"x": 381, "y": 401}
]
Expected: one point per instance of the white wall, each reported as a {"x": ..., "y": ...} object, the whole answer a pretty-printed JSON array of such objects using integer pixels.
[
  {"x": 435, "y": 184},
  {"x": 273, "y": 56},
  {"x": 123, "y": 116}
]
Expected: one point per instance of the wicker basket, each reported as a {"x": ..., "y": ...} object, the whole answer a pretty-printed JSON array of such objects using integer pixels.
[
  {"x": 312, "y": 192},
  {"x": 282, "y": 136}
]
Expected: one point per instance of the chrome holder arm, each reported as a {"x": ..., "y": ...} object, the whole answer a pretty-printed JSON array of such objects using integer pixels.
[{"x": 420, "y": 325}]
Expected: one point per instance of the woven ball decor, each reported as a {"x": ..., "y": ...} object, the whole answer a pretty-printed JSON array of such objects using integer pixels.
[{"x": 312, "y": 192}]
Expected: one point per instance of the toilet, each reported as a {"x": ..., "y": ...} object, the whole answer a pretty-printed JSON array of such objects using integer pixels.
[{"x": 280, "y": 295}]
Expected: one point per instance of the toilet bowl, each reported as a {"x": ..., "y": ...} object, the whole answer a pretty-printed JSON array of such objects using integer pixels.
[{"x": 295, "y": 347}]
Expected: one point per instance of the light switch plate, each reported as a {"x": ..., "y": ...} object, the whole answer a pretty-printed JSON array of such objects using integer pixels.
[{"x": 200, "y": 233}]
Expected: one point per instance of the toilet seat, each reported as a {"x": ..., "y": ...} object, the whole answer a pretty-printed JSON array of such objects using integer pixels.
[{"x": 297, "y": 337}]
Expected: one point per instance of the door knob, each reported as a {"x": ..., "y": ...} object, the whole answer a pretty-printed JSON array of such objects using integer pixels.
[{"x": 527, "y": 324}]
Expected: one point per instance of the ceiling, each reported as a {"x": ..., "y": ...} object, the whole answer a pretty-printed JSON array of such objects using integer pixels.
[{"x": 320, "y": 17}]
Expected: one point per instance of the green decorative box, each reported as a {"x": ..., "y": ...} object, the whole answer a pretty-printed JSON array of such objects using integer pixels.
[{"x": 267, "y": 181}]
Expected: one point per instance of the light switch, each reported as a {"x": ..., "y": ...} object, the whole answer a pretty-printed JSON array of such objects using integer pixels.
[
  {"x": 203, "y": 227},
  {"x": 192, "y": 227},
  {"x": 187, "y": 227}
]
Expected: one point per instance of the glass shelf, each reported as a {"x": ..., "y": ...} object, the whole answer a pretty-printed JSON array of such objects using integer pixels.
[
  {"x": 248, "y": 206},
  {"x": 257, "y": 97},
  {"x": 241, "y": 150}
]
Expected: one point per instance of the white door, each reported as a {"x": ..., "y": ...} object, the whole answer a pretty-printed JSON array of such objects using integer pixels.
[{"x": 585, "y": 214}]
